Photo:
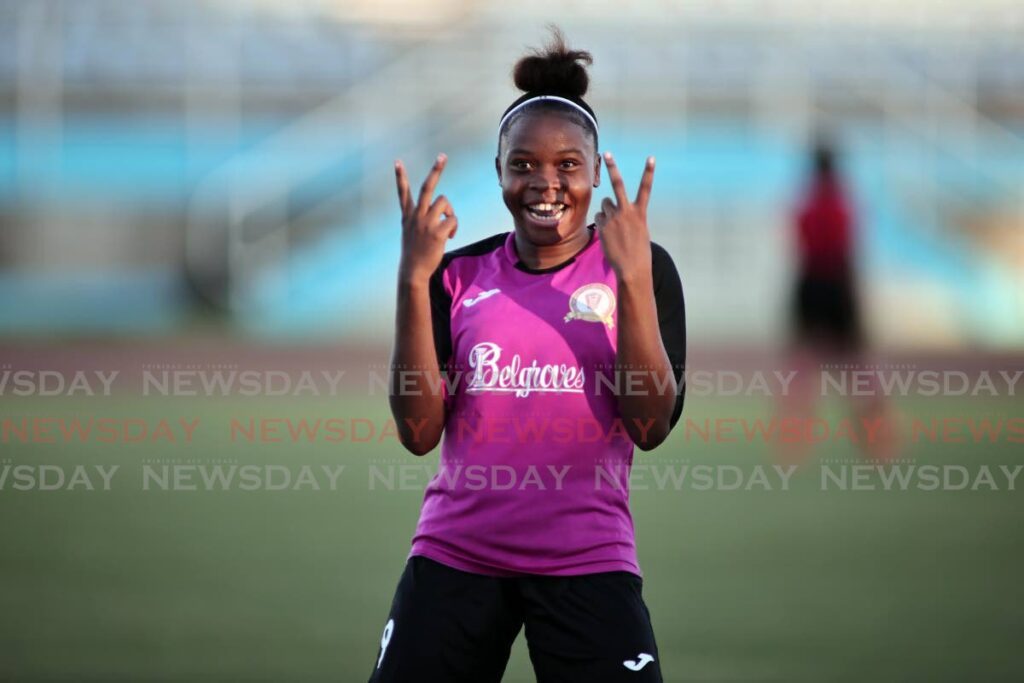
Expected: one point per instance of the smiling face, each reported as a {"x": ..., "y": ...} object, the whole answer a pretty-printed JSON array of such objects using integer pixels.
[{"x": 548, "y": 168}]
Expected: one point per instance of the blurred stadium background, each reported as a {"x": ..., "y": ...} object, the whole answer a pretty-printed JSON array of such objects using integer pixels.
[{"x": 195, "y": 183}]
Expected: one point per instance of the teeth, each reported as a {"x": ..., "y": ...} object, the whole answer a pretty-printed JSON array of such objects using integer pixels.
[{"x": 547, "y": 212}]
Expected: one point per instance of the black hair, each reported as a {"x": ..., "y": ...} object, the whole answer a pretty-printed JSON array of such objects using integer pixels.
[
  {"x": 554, "y": 70},
  {"x": 824, "y": 161},
  {"x": 823, "y": 156}
]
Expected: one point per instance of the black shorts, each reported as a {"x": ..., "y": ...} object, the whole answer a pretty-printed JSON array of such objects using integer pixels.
[
  {"x": 450, "y": 626},
  {"x": 825, "y": 310}
]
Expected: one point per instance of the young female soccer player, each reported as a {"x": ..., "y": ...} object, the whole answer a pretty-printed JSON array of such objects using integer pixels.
[{"x": 527, "y": 521}]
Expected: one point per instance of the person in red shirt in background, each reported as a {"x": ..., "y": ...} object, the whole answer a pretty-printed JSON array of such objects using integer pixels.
[{"x": 826, "y": 312}]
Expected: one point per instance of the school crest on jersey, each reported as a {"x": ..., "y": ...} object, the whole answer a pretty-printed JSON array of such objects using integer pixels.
[{"x": 594, "y": 303}]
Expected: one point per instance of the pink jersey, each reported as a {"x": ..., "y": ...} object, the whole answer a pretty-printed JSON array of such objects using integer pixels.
[{"x": 535, "y": 460}]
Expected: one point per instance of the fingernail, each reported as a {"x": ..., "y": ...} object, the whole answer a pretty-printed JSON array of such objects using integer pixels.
[
  {"x": 608, "y": 156},
  {"x": 650, "y": 161},
  {"x": 441, "y": 158}
]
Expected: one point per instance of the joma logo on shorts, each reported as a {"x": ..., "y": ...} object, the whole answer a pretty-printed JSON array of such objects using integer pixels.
[{"x": 642, "y": 660}]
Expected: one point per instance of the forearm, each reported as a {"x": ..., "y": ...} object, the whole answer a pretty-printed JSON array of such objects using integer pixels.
[
  {"x": 647, "y": 395},
  {"x": 417, "y": 403}
]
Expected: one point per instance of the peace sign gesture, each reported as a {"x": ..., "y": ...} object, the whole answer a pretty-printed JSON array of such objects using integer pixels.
[
  {"x": 623, "y": 224},
  {"x": 426, "y": 225}
]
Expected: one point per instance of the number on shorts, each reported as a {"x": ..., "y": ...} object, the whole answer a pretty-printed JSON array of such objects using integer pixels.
[{"x": 385, "y": 638}]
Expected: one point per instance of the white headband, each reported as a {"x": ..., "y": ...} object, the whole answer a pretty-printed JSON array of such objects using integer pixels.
[{"x": 554, "y": 98}]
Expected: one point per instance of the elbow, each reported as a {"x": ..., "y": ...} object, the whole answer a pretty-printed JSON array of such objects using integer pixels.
[
  {"x": 420, "y": 434},
  {"x": 653, "y": 436},
  {"x": 419, "y": 437},
  {"x": 419, "y": 447},
  {"x": 651, "y": 441}
]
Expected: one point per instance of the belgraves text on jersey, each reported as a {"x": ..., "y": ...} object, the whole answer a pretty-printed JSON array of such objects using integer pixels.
[{"x": 489, "y": 376}]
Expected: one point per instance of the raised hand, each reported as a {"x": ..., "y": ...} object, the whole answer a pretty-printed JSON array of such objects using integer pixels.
[
  {"x": 623, "y": 224},
  {"x": 426, "y": 225}
]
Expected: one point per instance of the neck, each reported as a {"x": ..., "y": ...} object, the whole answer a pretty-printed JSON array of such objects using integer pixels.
[{"x": 539, "y": 257}]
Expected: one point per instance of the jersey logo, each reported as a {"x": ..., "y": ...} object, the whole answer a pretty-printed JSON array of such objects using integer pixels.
[
  {"x": 642, "y": 660},
  {"x": 480, "y": 297},
  {"x": 594, "y": 303}
]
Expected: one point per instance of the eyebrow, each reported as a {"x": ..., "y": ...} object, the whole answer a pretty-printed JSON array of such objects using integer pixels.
[{"x": 571, "y": 150}]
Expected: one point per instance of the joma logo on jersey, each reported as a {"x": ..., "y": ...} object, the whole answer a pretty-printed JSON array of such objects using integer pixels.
[
  {"x": 488, "y": 375},
  {"x": 480, "y": 297}
]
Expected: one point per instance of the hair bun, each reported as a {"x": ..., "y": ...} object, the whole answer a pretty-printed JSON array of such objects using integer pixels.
[{"x": 554, "y": 70}]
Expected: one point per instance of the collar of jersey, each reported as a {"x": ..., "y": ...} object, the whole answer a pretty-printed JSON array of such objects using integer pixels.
[{"x": 510, "y": 251}]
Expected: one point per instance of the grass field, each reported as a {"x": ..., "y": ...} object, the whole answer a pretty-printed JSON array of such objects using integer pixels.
[{"x": 806, "y": 584}]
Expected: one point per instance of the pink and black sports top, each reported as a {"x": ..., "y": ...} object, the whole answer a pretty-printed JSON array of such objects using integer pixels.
[{"x": 534, "y": 468}]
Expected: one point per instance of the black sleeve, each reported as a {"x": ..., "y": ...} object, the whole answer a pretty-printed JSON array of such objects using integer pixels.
[
  {"x": 441, "y": 316},
  {"x": 668, "y": 297}
]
